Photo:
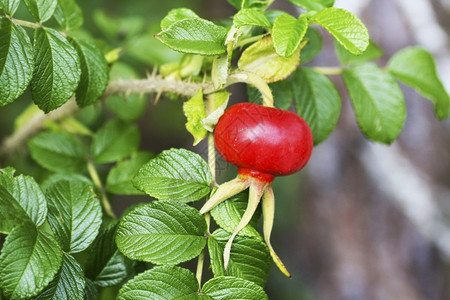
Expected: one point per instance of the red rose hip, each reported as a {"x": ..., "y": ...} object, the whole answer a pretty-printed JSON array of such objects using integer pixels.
[{"x": 263, "y": 141}]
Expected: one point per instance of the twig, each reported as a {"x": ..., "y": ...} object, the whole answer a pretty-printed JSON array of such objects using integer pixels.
[{"x": 154, "y": 84}]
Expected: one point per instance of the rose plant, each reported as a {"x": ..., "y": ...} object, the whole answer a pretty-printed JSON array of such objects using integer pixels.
[{"x": 60, "y": 237}]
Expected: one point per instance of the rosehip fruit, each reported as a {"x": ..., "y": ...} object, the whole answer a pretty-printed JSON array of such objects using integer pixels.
[{"x": 263, "y": 141}]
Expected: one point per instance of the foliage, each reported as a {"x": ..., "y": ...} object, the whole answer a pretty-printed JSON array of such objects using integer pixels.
[{"x": 63, "y": 240}]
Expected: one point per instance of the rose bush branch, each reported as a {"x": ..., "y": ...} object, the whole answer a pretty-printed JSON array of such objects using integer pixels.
[{"x": 151, "y": 85}]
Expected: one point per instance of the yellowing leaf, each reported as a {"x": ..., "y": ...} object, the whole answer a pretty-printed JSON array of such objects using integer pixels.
[
  {"x": 194, "y": 110},
  {"x": 216, "y": 105},
  {"x": 262, "y": 60}
]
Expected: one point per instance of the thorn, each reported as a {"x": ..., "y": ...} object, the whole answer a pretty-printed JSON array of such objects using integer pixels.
[
  {"x": 155, "y": 70},
  {"x": 158, "y": 96}
]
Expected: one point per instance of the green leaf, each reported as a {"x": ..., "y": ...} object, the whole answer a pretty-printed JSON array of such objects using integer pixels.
[
  {"x": 287, "y": 33},
  {"x": 57, "y": 152},
  {"x": 249, "y": 259},
  {"x": 260, "y": 58},
  {"x": 74, "y": 214},
  {"x": 68, "y": 283},
  {"x": 313, "y": 4},
  {"x": 378, "y": 102},
  {"x": 259, "y": 4},
  {"x": 160, "y": 283},
  {"x": 9, "y": 6},
  {"x": 242, "y": 4},
  {"x": 175, "y": 174},
  {"x": 281, "y": 91},
  {"x": 416, "y": 67},
  {"x": 128, "y": 108},
  {"x": 371, "y": 53},
  {"x": 162, "y": 232},
  {"x": 194, "y": 110},
  {"x": 346, "y": 28},
  {"x": 55, "y": 177},
  {"x": 28, "y": 262},
  {"x": 228, "y": 288},
  {"x": 115, "y": 141},
  {"x": 68, "y": 14},
  {"x": 317, "y": 101},
  {"x": 90, "y": 290},
  {"x": 119, "y": 180},
  {"x": 11, "y": 213},
  {"x": 41, "y": 10},
  {"x": 16, "y": 61},
  {"x": 118, "y": 28},
  {"x": 56, "y": 70},
  {"x": 229, "y": 213},
  {"x": 105, "y": 265},
  {"x": 236, "y": 3},
  {"x": 94, "y": 73},
  {"x": 196, "y": 36},
  {"x": 148, "y": 50},
  {"x": 176, "y": 15},
  {"x": 21, "y": 196},
  {"x": 254, "y": 17},
  {"x": 313, "y": 47}
]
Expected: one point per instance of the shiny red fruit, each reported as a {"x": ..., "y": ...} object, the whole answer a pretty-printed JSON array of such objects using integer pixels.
[{"x": 263, "y": 142}]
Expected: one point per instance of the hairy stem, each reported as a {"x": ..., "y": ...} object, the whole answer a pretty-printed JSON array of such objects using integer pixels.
[
  {"x": 98, "y": 184},
  {"x": 153, "y": 84}
]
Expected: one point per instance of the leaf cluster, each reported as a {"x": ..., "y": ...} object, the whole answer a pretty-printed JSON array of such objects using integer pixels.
[{"x": 56, "y": 65}]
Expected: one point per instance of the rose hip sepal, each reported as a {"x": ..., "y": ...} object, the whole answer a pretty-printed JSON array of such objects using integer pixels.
[{"x": 263, "y": 142}]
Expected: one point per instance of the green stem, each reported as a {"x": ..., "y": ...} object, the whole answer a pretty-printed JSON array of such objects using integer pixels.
[
  {"x": 23, "y": 23},
  {"x": 212, "y": 157},
  {"x": 249, "y": 40},
  {"x": 329, "y": 70},
  {"x": 201, "y": 257},
  {"x": 201, "y": 260},
  {"x": 256, "y": 81},
  {"x": 98, "y": 184}
]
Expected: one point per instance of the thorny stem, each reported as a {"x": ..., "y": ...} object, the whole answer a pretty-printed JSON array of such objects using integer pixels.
[
  {"x": 98, "y": 184},
  {"x": 153, "y": 84}
]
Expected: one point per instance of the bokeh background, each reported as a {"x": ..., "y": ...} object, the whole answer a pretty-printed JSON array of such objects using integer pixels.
[{"x": 362, "y": 220}]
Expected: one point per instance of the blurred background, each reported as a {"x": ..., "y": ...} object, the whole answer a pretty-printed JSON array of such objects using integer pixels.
[{"x": 362, "y": 220}]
